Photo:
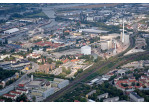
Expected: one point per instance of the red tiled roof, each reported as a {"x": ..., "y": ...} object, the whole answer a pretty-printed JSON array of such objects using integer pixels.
[
  {"x": 110, "y": 74},
  {"x": 76, "y": 101},
  {"x": 41, "y": 43},
  {"x": 21, "y": 89},
  {"x": 74, "y": 60},
  {"x": 66, "y": 60},
  {"x": 15, "y": 92},
  {"x": 9, "y": 95},
  {"x": 1, "y": 100}
]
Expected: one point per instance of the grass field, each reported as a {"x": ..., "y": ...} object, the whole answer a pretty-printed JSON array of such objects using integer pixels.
[{"x": 41, "y": 14}]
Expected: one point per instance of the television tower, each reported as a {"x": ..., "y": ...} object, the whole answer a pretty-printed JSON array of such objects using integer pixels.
[{"x": 123, "y": 32}]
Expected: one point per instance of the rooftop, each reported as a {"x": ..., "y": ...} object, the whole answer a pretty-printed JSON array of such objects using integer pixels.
[
  {"x": 35, "y": 83},
  {"x": 135, "y": 94},
  {"x": 93, "y": 31}
]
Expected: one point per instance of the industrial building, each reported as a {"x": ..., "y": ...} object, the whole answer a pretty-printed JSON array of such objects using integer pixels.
[
  {"x": 92, "y": 31},
  {"x": 104, "y": 45},
  {"x": 10, "y": 31},
  {"x": 86, "y": 50},
  {"x": 135, "y": 97},
  {"x": 126, "y": 39},
  {"x": 35, "y": 83},
  {"x": 60, "y": 83}
]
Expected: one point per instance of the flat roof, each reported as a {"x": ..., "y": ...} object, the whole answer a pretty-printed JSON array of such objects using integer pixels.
[
  {"x": 93, "y": 31},
  {"x": 137, "y": 96},
  {"x": 35, "y": 83},
  {"x": 12, "y": 30}
]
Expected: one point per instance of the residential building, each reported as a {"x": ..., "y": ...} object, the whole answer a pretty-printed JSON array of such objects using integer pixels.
[
  {"x": 33, "y": 55},
  {"x": 22, "y": 90},
  {"x": 135, "y": 97},
  {"x": 90, "y": 93},
  {"x": 46, "y": 67},
  {"x": 1, "y": 100},
  {"x": 13, "y": 97},
  {"x": 15, "y": 93},
  {"x": 4, "y": 56},
  {"x": 105, "y": 95},
  {"x": 2, "y": 84},
  {"x": 114, "y": 99},
  {"x": 18, "y": 56}
]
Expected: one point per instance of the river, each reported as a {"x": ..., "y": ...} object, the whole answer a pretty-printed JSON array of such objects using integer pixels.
[{"x": 50, "y": 13}]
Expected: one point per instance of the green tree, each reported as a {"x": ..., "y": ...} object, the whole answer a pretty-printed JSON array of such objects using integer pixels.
[
  {"x": 58, "y": 63},
  {"x": 133, "y": 84},
  {"x": 34, "y": 98},
  {"x": 138, "y": 84},
  {"x": 83, "y": 99},
  {"x": 1, "y": 87},
  {"x": 23, "y": 98},
  {"x": 63, "y": 69},
  {"x": 49, "y": 60}
]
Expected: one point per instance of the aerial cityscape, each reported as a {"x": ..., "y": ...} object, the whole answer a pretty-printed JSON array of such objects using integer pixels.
[{"x": 74, "y": 52}]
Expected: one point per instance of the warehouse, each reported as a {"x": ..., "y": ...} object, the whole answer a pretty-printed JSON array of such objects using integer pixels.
[{"x": 10, "y": 31}]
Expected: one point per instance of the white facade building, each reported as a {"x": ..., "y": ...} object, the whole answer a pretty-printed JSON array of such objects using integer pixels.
[
  {"x": 135, "y": 97},
  {"x": 63, "y": 84},
  {"x": 48, "y": 92},
  {"x": 10, "y": 31},
  {"x": 104, "y": 45},
  {"x": 90, "y": 18},
  {"x": 86, "y": 50},
  {"x": 126, "y": 39}
]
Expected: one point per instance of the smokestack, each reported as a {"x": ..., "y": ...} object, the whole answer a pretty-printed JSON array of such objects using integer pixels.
[
  {"x": 121, "y": 36},
  {"x": 31, "y": 77},
  {"x": 123, "y": 32},
  {"x": 114, "y": 48}
]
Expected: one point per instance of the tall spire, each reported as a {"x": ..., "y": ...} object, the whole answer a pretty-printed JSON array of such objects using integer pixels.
[{"x": 123, "y": 32}]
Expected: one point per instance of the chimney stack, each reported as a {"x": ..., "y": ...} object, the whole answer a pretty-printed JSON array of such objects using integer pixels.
[{"x": 123, "y": 32}]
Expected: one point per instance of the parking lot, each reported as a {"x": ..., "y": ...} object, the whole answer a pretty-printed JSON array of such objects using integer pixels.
[{"x": 67, "y": 52}]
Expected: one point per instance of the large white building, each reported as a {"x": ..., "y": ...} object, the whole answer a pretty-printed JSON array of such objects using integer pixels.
[
  {"x": 86, "y": 50},
  {"x": 126, "y": 39},
  {"x": 48, "y": 92},
  {"x": 63, "y": 84},
  {"x": 10, "y": 31},
  {"x": 135, "y": 97},
  {"x": 104, "y": 45}
]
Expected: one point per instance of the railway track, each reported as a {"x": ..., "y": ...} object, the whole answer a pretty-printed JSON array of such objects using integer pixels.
[{"x": 78, "y": 80}]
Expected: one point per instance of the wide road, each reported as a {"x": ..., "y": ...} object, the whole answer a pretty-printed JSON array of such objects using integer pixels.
[{"x": 59, "y": 93}]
